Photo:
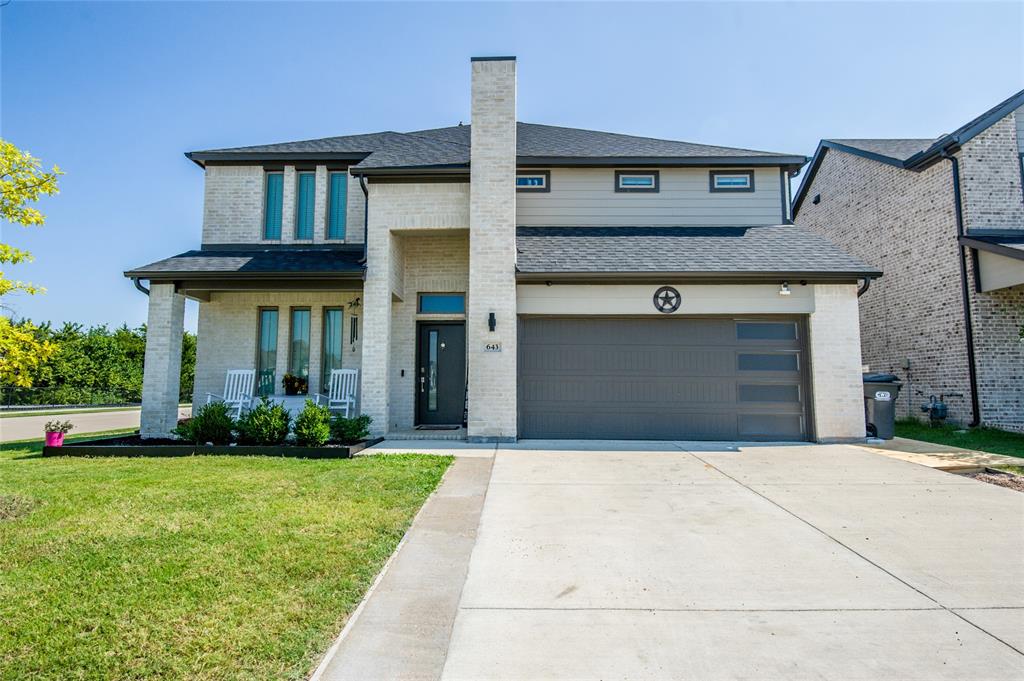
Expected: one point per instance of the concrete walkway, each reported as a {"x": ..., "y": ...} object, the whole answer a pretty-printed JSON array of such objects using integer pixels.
[
  {"x": 704, "y": 561},
  {"x": 31, "y": 427},
  {"x": 942, "y": 457}
]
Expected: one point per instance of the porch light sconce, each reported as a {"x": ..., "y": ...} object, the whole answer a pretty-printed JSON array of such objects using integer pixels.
[
  {"x": 784, "y": 289},
  {"x": 491, "y": 322}
]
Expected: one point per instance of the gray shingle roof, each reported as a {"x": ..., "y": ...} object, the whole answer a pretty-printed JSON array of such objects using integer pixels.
[
  {"x": 785, "y": 249},
  {"x": 899, "y": 149},
  {"x": 451, "y": 146},
  {"x": 253, "y": 262}
]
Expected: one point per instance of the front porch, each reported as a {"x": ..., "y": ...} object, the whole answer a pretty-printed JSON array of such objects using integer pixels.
[{"x": 277, "y": 312}]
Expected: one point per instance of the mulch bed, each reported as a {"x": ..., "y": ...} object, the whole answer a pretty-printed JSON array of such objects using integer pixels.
[
  {"x": 1000, "y": 478},
  {"x": 134, "y": 445}
]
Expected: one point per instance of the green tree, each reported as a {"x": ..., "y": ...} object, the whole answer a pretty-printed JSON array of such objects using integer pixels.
[
  {"x": 22, "y": 182},
  {"x": 21, "y": 352}
]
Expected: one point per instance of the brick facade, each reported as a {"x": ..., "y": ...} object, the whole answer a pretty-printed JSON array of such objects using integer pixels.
[
  {"x": 234, "y": 207},
  {"x": 903, "y": 222},
  {"x": 492, "y": 247},
  {"x": 161, "y": 379},
  {"x": 229, "y": 326}
]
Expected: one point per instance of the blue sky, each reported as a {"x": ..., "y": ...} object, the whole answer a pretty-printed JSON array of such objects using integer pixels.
[{"x": 116, "y": 92}]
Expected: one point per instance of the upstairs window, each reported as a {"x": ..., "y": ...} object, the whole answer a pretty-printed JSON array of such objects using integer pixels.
[
  {"x": 539, "y": 181},
  {"x": 732, "y": 180},
  {"x": 305, "y": 196},
  {"x": 337, "y": 205},
  {"x": 636, "y": 181},
  {"x": 273, "y": 203}
]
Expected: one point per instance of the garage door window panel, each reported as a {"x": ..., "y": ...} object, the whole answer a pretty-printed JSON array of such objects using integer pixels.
[
  {"x": 749, "y": 361},
  {"x": 766, "y": 331}
]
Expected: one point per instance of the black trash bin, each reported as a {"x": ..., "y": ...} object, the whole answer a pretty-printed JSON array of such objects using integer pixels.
[{"x": 880, "y": 393}]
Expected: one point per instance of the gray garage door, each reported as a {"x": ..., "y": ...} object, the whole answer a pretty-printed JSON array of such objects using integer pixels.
[{"x": 663, "y": 378}]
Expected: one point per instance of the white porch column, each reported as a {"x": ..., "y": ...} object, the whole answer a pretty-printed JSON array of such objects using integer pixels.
[
  {"x": 162, "y": 371},
  {"x": 492, "y": 252},
  {"x": 375, "y": 387},
  {"x": 837, "y": 385}
]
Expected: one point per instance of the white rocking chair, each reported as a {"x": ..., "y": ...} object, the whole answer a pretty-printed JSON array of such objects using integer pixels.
[
  {"x": 341, "y": 390},
  {"x": 237, "y": 390}
]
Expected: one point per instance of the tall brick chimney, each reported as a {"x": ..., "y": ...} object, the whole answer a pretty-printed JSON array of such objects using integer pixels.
[{"x": 492, "y": 252}]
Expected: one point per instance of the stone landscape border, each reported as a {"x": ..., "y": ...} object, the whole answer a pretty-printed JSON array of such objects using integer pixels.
[{"x": 105, "y": 447}]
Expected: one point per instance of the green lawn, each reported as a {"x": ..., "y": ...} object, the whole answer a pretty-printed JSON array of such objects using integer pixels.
[
  {"x": 982, "y": 439},
  {"x": 195, "y": 567}
]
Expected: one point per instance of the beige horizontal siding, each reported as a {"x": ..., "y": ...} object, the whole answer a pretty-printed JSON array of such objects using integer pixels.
[{"x": 587, "y": 197}]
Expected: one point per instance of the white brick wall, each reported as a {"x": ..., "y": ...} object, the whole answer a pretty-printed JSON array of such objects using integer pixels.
[
  {"x": 492, "y": 245},
  {"x": 234, "y": 204},
  {"x": 836, "y": 383},
  {"x": 414, "y": 228},
  {"x": 434, "y": 263},
  {"x": 161, "y": 379},
  {"x": 228, "y": 327}
]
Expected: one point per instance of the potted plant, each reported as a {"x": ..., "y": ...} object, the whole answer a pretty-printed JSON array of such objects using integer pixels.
[
  {"x": 55, "y": 432},
  {"x": 295, "y": 385}
]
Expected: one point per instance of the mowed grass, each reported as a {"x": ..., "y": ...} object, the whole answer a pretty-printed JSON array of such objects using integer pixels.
[
  {"x": 982, "y": 439},
  {"x": 194, "y": 567}
]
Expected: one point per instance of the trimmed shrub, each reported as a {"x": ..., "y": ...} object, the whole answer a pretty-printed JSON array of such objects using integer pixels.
[
  {"x": 210, "y": 423},
  {"x": 313, "y": 425},
  {"x": 264, "y": 424},
  {"x": 350, "y": 431}
]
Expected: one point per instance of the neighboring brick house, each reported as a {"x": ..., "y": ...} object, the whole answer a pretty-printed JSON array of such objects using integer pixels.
[
  {"x": 526, "y": 280},
  {"x": 893, "y": 203}
]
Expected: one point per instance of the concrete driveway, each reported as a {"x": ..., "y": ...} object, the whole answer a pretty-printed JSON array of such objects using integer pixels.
[{"x": 684, "y": 561}]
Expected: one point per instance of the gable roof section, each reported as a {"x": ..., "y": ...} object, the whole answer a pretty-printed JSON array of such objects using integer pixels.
[
  {"x": 449, "y": 148},
  {"x": 910, "y": 154},
  {"x": 771, "y": 252}
]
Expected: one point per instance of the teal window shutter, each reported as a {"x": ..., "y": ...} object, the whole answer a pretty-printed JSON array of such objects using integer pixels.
[
  {"x": 338, "y": 204},
  {"x": 304, "y": 199},
  {"x": 272, "y": 210}
]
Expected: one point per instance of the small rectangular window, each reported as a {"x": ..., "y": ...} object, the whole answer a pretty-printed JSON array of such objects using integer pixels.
[
  {"x": 338, "y": 203},
  {"x": 266, "y": 350},
  {"x": 442, "y": 303},
  {"x": 539, "y": 181},
  {"x": 732, "y": 180},
  {"x": 332, "y": 345},
  {"x": 298, "y": 355},
  {"x": 636, "y": 181},
  {"x": 273, "y": 202},
  {"x": 305, "y": 195},
  {"x": 766, "y": 362},
  {"x": 766, "y": 330},
  {"x": 769, "y": 393}
]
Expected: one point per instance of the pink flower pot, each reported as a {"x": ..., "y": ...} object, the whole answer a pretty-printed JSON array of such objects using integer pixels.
[{"x": 54, "y": 439}]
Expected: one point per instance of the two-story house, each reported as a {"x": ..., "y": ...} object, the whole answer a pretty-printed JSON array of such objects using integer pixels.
[
  {"x": 944, "y": 217},
  {"x": 546, "y": 282}
]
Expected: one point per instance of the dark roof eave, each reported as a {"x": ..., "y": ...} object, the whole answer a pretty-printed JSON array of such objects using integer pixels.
[
  {"x": 406, "y": 171},
  {"x": 663, "y": 161},
  {"x": 700, "y": 277},
  {"x": 997, "y": 248},
  {"x": 152, "y": 275},
  {"x": 201, "y": 157}
]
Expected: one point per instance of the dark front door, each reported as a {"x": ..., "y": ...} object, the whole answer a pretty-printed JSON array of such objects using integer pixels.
[{"x": 441, "y": 373}]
